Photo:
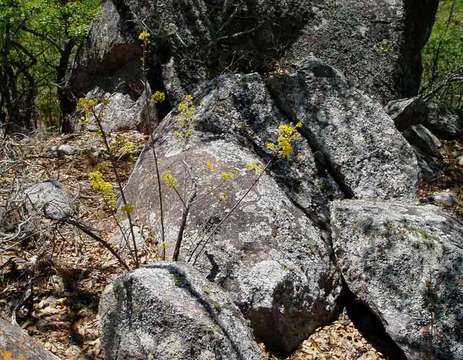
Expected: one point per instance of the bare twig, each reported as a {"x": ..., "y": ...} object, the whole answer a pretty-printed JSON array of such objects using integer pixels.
[
  {"x": 181, "y": 230},
  {"x": 88, "y": 231}
]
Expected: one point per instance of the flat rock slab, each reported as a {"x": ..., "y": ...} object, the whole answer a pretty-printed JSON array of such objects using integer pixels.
[{"x": 405, "y": 263}]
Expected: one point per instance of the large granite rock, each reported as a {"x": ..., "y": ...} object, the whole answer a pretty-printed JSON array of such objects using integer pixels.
[
  {"x": 273, "y": 253},
  {"x": 405, "y": 263},
  {"x": 365, "y": 151},
  {"x": 193, "y": 41},
  {"x": 169, "y": 311},
  {"x": 376, "y": 44},
  {"x": 16, "y": 344},
  {"x": 269, "y": 255}
]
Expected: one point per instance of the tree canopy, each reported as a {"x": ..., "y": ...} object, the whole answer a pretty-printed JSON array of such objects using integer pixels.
[{"x": 38, "y": 40}]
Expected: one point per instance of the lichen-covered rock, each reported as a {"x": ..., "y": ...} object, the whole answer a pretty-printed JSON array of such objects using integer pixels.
[
  {"x": 170, "y": 311},
  {"x": 110, "y": 59},
  {"x": 119, "y": 111},
  {"x": 427, "y": 149},
  {"x": 48, "y": 199},
  {"x": 405, "y": 263},
  {"x": 194, "y": 41},
  {"x": 445, "y": 122},
  {"x": 358, "y": 139},
  {"x": 16, "y": 344},
  {"x": 376, "y": 44},
  {"x": 268, "y": 254},
  {"x": 407, "y": 112}
]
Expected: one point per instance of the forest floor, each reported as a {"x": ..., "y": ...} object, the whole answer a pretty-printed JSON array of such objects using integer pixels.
[{"x": 52, "y": 280}]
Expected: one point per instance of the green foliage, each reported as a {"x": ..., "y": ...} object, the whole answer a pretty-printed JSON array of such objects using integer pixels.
[
  {"x": 443, "y": 55},
  {"x": 39, "y": 39}
]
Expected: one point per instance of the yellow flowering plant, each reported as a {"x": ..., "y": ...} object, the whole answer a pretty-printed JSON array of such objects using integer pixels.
[
  {"x": 184, "y": 120},
  {"x": 105, "y": 188},
  {"x": 287, "y": 136},
  {"x": 158, "y": 97},
  {"x": 144, "y": 36}
]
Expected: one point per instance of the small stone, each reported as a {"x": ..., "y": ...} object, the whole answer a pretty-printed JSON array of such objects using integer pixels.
[
  {"x": 48, "y": 199},
  {"x": 62, "y": 150},
  {"x": 444, "y": 199}
]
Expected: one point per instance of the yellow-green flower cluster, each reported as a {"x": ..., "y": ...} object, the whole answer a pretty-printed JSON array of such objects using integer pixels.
[
  {"x": 122, "y": 146},
  {"x": 158, "y": 97},
  {"x": 210, "y": 166},
  {"x": 186, "y": 110},
  {"x": 255, "y": 166},
  {"x": 169, "y": 179},
  {"x": 87, "y": 106},
  {"x": 144, "y": 37},
  {"x": 127, "y": 209},
  {"x": 105, "y": 188},
  {"x": 287, "y": 136}
]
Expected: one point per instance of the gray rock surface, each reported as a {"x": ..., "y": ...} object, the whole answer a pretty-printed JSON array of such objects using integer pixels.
[
  {"x": 444, "y": 122},
  {"x": 407, "y": 112},
  {"x": 195, "y": 41},
  {"x": 169, "y": 311},
  {"x": 376, "y": 44},
  {"x": 358, "y": 139},
  {"x": 405, "y": 263},
  {"x": 444, "y": 198},
  {"x": 427, "y": 149},
  {"x": 48, "y": 199},
  {"x": 119, "y": 111},
  {"x": 269, "y": 255},
  {"x": 110, "y": 57},
  {"x": 63, "y": 150},
  {"x": 420, "y": 137},
  {"x": 16, "y": 344}
]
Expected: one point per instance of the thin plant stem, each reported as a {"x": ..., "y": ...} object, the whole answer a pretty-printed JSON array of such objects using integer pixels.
[
  {"x": 153, "y": 149},
  {"x": 85, "y": 229},
  {"x": 186, "y": 211},
  {"x": 232, "y": 210},
  {"x": 119, "y": 184}
]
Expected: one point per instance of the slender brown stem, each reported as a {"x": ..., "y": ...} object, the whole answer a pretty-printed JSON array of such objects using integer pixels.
[
  {"x": 161, "y": 209},
  {"x": 85, "y": 229},
  {"x": 153, "y": 148},
  {"x": 214, "y": 230},
  {"x": 119, "y": 184},
  {"x": 181, "y": 230}
]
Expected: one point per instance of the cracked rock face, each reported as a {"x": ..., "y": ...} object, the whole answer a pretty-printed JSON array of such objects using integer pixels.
[
  {"x": 359, "y": 140},
  {"x": 269, "y": 255},
  {"x": 169, "y": 311},
  {"x": 405, "y": 263},
  {"x": 194, "y": 41},
  {"x": 273, "y": 253}
]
